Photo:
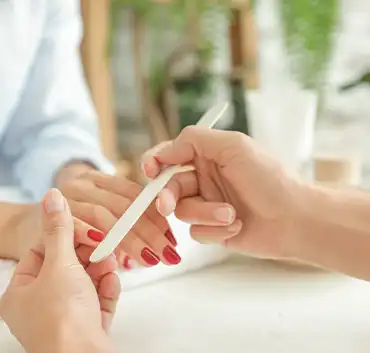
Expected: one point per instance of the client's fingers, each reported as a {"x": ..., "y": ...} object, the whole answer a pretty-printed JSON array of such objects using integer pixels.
[
  {"x": 83, "y": 254},
  {"x": 214, "y": 234},
  {"x": 86, "y": 234},
  {"x": 97, "y": 216},
  {"x": 195, "y": 210},
  {"x": 105, "y": 280},
  {"x": 108, "y": 293}
]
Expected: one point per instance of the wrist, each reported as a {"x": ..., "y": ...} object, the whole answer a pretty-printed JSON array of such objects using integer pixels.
[
  {"x": 334, "y": 230},
  {"x": 331, "y": 229},
  {"x": 304, "y": 217}
]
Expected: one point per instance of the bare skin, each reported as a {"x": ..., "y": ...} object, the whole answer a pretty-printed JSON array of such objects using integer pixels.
[
  {"x": 272, "y": 214},
  {"x": 68, "y": 294},
  {"x": 96, "y": 201}
]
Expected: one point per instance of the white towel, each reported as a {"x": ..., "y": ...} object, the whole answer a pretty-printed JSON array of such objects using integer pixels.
[{"x": 194, "y": 256}]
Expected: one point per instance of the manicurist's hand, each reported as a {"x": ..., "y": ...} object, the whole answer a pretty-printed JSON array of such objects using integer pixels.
[
  {"x": 238, "y": 196},
  {"x": 57, "y": 301},
  {"x": 99, "y": 200}
]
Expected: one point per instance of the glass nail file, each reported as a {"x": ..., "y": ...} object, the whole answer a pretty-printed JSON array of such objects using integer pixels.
[{"x": 149, "y": 193}]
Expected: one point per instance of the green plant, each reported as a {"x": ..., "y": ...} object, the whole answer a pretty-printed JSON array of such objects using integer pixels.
[
  {"x": 181, "y": 16},
  {"x": 364, "y": 79},
  {"x": 308, "y": 27}
]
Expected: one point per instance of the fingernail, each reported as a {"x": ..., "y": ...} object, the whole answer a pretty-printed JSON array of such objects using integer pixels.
[
  {"x": 95, "y": 235},
  {"x": 224, "y": 214},
  {"x": 171, "y": 255},
  {"x": 158, "y": 205},
  {"x": 169, "y": 205},
  {"x": 149, "y": 257},
  {"x": 235, "y": 227},
  {"x": 54, "y": 201},
  {"x": 145, "y": 169},
  {"x": 170, "y": 237},
  {"x": 126, "y": 263}
]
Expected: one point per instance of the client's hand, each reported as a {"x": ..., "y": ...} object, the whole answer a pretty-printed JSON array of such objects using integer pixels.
[
  {"x": 238, "y": 196},
  {"x": 56, "y": 298},
  {"x": 100, "y": 199}
]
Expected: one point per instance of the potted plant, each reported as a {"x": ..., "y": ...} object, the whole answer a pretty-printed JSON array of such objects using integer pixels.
[
  {"x": 289, "y": 110},
  {"x": 163, "y": 98},
  {"x": 308, "y": 29}
]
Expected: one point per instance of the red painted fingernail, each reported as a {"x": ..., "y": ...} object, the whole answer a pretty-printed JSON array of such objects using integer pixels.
[
  {"x": 169, "y": 235},
  {"x": 171, "y": 255},
  {"x": 126, "y": 263},
  {"x": 95, "y": 235},
  {"x": 149, "y": 257}
]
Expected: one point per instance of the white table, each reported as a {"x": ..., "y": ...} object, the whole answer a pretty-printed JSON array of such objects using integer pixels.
[{"x": 242, "y": 306}]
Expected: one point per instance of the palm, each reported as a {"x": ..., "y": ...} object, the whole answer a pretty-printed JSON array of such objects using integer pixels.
[{"x": 101, "y": 275}]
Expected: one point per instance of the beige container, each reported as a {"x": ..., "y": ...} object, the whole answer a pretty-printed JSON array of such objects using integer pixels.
[{"x": 337, "y": 170}]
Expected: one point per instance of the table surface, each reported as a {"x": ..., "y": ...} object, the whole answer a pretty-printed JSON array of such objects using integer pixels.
[{"x": 242, "y": 306}]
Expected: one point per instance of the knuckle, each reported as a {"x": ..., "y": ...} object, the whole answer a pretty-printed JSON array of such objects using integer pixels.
[
  {"x": 55, "y": 228},
  {"x": 239, "y": 137},
  {"x": 133, "y": 191},
  {"x": 188, "y": 131}
]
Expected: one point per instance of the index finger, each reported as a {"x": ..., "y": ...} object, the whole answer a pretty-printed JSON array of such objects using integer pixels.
[{"x": 149, "y": 164}]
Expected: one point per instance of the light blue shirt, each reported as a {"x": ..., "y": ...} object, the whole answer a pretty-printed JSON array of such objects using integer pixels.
[{"x": 46, "y": 115}]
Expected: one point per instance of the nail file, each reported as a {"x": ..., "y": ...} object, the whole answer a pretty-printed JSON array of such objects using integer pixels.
[{"x": 149, "y": 193}]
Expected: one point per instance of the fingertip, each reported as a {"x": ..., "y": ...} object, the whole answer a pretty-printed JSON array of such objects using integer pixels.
[
  {"x": 225, "y": 214},
  {"x": 110, "y": 286},
  {"x": 166, "y": 202},
  {"x": 54, "y": 202},
  {"x": 235, "y": 227},
  {"x": 150, "y": 167}
]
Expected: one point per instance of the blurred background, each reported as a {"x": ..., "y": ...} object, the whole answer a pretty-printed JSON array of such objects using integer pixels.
[{"x": 297, "y": 73}]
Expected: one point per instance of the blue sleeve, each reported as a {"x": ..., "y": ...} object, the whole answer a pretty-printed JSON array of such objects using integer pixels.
[{"x": 55, "y": 122}]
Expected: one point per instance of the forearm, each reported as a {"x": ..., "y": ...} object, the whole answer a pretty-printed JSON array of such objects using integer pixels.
[
  {"x": 335, "y": 230},
  {"x": 10, "y": 219}
]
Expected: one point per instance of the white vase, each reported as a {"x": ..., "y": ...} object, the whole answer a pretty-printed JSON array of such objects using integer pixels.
[{"x": 283, "y": 121}]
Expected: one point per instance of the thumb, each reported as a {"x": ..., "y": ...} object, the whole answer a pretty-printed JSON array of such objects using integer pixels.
[
  {"x": 198, "y": 142},
  {"x": 58, "y": 230}
]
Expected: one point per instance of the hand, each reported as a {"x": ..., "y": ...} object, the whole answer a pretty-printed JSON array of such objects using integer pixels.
[
  {"x": 55, "y": 292},
  {"x": 99, "y": 200},
  {"x": 23, "y": 230},
  {"x": 238, "y": 196}
]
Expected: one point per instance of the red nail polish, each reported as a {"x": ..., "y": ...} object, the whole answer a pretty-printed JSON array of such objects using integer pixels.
[
  {"x": 126, "y": 263},
  {"x": 169, "y": 235},
  {"x": 149, "y": 257},
  {"x": 171, "y": 255},
  {"x": 95, "y": 235}
]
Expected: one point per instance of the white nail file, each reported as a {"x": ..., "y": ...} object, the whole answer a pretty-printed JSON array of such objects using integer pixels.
[{"x": 149, "y": 193}]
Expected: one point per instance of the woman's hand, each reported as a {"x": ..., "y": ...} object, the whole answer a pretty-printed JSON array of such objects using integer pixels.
[
  {"x": 56, "y": 298},
  {"x": 99, "y": 200},
  {"x": 238, "y": 195}
]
